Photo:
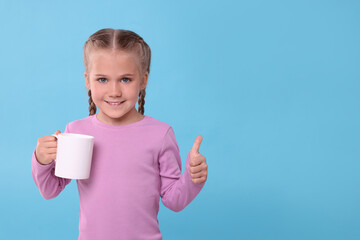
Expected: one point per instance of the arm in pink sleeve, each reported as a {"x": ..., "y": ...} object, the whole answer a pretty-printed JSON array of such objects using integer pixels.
[
  {"x": 177, "y": 190},
  {"x": 48, "y": 184}
]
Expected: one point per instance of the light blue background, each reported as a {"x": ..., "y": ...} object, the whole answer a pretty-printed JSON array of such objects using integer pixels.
[{"x": 272, "y": 86}]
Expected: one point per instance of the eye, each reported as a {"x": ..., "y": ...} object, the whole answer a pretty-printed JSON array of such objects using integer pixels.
[
  {"x": 102, "y": 80},
  {"x": 129, "y": 80}
]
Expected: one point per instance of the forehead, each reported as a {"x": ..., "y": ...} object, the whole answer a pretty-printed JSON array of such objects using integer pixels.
[{"x": 112, "y": 62}]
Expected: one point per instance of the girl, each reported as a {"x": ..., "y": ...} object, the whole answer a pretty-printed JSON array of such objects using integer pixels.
[{"x": 136, "y": 158}]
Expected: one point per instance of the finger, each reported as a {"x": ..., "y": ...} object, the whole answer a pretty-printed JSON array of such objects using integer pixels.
[
  {"x": 48, "y": 138},
  {"x": 51, "y": 150},
  {"x": 199, "y": 168},
  {"x": 199, "y": 180},
  {"x": 199, "y": 174},
  {"x": 52, "y": 155},
  {"x": 56, "y": 133},
  {"x": 196, "y": 144},
  {"x": 50, "y": 144},
  {"x": 197, "y": 160}
]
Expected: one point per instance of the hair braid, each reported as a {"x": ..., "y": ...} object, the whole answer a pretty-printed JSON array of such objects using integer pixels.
[
  {"x": 92, "y": 106},
  {"x": 141, "y": 101}
]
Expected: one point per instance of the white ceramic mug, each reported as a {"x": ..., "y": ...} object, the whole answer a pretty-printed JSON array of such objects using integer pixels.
[{"x": 74, "y": 155}]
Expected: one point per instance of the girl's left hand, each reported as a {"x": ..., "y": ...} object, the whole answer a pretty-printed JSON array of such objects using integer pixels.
[{"x": 198, "y": 168}]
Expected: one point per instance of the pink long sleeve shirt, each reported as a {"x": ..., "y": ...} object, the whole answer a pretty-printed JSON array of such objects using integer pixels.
[{"x": 132, "y": 167}]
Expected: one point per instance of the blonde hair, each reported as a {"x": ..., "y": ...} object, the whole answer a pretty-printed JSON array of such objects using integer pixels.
[{"x": 124, "y": 40}]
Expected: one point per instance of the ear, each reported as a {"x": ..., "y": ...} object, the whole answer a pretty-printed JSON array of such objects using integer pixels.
[
  {"x": 87, "y": 81},
  {"x": 144, "y": 82}
]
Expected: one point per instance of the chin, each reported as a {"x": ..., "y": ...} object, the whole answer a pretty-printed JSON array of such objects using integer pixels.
[{"x": 114, "y": 115}]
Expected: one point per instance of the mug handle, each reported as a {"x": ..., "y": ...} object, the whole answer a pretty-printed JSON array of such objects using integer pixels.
[{"x": 55, "y": 136}]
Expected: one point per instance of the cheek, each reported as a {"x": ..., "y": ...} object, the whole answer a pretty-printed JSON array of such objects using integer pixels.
[
  {"x": 135, "y": 92},
  {"x": 96, "y": 94}
]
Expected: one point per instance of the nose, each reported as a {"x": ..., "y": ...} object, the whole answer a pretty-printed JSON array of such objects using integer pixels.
[{"x": 115, "y": 89}]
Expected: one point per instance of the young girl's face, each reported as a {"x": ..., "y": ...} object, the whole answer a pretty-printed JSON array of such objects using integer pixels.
[{"x": 114, "y": 80}]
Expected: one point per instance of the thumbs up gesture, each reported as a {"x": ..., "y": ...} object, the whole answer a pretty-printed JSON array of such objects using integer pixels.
[{"x": 198, "y": 168}]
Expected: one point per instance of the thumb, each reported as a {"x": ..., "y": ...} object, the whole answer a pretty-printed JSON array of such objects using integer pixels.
[
  {"x": 57, "y": 132},
  {"x": 196, "y": 146}
]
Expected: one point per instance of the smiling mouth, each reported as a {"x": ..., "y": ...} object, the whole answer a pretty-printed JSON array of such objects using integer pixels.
[{"x": 114, "y": 104}]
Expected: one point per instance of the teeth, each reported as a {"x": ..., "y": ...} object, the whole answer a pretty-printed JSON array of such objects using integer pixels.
[{"x": 114, "y": 103}]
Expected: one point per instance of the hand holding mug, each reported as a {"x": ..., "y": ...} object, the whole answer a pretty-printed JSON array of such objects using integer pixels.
[{"x": 45, "y": 151}]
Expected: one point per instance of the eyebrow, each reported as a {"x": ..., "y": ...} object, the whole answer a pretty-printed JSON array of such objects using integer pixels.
[{"x": 104, "y": 75}]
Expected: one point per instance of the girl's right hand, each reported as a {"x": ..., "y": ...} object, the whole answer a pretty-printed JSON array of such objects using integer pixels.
[{"x": 45, "y": 151}]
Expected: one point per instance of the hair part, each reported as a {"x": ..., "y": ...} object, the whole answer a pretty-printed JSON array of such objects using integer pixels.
[{"x": 124, "y": 40}]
